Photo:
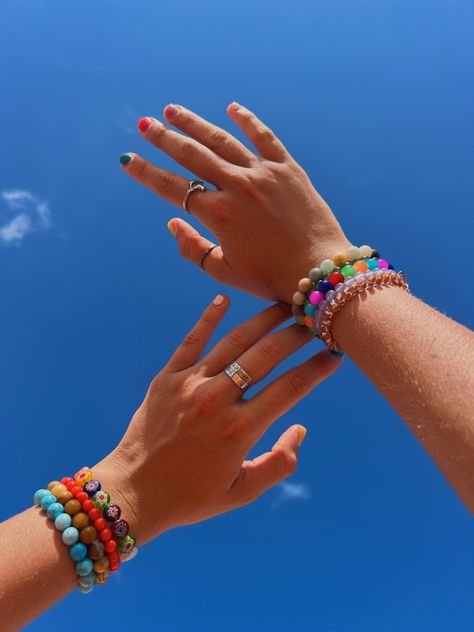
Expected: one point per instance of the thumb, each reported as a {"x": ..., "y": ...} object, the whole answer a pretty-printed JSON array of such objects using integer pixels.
[
  {"x": 192, "y": 246},
  {"x": 268, "y": 469}
]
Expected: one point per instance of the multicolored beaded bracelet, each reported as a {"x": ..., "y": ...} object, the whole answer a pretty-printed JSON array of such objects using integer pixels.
[
  {"x": 82, "y": 511},
  {"x": 320, "y": 288}
]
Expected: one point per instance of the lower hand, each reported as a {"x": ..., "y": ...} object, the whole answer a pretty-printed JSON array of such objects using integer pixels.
[
  {"x": 183, "y": 456},
  {"x": 270, "y": 222}
]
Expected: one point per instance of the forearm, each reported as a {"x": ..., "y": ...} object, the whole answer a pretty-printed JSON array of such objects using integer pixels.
[{"x": 421, "y": 361}]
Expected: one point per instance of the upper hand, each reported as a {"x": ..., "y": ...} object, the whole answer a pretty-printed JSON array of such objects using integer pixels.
[{"x": 270, "y": 222}]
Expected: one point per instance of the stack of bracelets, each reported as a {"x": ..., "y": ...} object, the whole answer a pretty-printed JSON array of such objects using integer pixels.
[
  {"x": 336, "y": 281},
  {"x": 98, "y": 537}
]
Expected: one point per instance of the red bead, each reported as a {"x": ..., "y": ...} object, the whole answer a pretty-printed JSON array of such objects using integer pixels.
[
  {"x": 70, "y": 485},
  {"x": 105, "y": 535},
  {"x": 99, "y": 524},
  {"x": 76, "y": 490},
  {"x": 110, "y": 546},
  {"x": 93, "y": 514},
  {"x": 114, "y": 555},
  {"x": 114, "y": 566},
  {"x": 87, "y": 505},
  {"x": 66, "y": 480},
  {"x": 82, "y": 497},
  {"x": 335, "y": 278},
  {"x": 143, "y": 124}
]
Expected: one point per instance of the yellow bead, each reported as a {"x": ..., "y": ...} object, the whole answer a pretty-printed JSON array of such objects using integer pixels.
[
  {"x": 53, "y": 484},
  {"x": 340, "y": 258},
  {"x": 58, "y": 489},
  {"x": 83, "y": 476}
]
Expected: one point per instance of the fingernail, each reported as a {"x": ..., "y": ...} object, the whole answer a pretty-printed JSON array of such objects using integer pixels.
[
  {"x": 301, "y": 435},
  {"x": 172, "y": 227},
  {"x": 126, "y": 159},
  {"x": 234, "y": 106},
  {"x": 218, "y": 300},
  {"x": 144, "y": 124},
  {"x": 171, "y": 111},
  {"x": 337, "y": 354}
]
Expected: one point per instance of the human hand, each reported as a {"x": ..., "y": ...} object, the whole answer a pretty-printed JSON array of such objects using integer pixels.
[
  {"x": 270, "y": 222},
  {"x": 183, "y": 456}
]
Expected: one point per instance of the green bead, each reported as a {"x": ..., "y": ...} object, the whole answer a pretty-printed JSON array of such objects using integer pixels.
[
  {"x": 347, "y": 271},
  {"x": 101, "y": 499},
  {"x": 316, "y": 274}
]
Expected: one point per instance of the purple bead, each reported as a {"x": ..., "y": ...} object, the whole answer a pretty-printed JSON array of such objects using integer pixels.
[
  {"x": 91, "y": 487},
  {"x": 330, "y": 295},
  {"x": 119, "y": 528},
  {"x": 325, "y": 286},
  {"x": 339, "y": 287},
  {"x": 112, "y": 513}
]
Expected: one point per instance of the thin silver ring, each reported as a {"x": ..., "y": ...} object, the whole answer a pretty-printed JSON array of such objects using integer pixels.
[
  {"x": 237, "y": 374},
  {"x": 204, "y": 254},
  {"x": 194, "y": 185}
]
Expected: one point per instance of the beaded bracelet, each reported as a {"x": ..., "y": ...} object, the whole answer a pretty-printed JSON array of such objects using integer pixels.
[
  {"x": 81, "y": 510},
  {"x": 313, "y": 302}
]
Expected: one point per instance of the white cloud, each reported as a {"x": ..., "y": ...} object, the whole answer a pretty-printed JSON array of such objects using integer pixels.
[
  {"x": 32, "y": 214},
  {"x": 291, "y": 491}
]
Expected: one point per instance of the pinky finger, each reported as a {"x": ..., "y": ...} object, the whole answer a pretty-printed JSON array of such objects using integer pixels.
[
  {"x": 193, "y": 246},
  {"x": 268, "y": 469}
]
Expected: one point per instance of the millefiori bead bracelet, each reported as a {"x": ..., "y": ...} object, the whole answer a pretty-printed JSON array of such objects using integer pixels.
[
  {"x": 326, "y": 290},
  {"x": 98, "y": 537}
]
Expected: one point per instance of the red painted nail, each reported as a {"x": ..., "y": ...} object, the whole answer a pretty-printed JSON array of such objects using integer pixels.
[
  {"x": 144, "y": 124},
  {"x": 171, "y": 111}
]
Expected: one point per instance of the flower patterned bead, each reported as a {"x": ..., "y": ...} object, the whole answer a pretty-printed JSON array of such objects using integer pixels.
[
  {"x": 54, "y": 510},
  {"x": 126, "y": 557},
  {"x": 92, "y": 487},
  {"x": 84, "y": 567},
  {"x": 63, "y": 521},
  {"x": 112, "y": 512},
  {"x": 127, "y": 544},
  {"x": 39, "y": 494},
  {"x": 78, "y": 551},
  {"x": 101, "y": 499},
  {"x": 96, "y": 550},
  {"x": 120, "y": 529},
  {"x": 70, "y": 536},
  {"x": 47, "y": 500},
  {"x": 83, "y": 476}
]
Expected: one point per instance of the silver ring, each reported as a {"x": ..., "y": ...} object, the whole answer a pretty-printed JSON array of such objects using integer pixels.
[
  {"x": 194, "y": 185},
  {"x": 204, "y": 254},
  {"x": 238, "y": 375}
]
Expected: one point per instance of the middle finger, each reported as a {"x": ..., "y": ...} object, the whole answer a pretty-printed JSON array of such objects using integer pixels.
[{"x": 186, "y": 151}]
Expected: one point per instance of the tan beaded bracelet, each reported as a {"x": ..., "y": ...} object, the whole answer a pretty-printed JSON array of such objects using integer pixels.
[{"x": 357, "y": 285}]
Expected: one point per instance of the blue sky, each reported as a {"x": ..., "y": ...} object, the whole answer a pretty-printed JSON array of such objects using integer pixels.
[{"x": 376, "y": 99}]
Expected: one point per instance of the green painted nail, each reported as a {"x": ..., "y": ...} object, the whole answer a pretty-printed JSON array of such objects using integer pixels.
[{"x": 125, "y": 159}]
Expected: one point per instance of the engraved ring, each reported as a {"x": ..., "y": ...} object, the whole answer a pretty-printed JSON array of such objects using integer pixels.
[
  {"x": 194, "y": 185},
  {"x": 238, "y": 375}
]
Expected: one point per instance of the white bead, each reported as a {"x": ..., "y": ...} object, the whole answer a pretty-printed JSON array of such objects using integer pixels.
[
  {"x": 353, "y": 252},
  {"x": 365, "y": 251},
  {"x": 327, "y": 266}
]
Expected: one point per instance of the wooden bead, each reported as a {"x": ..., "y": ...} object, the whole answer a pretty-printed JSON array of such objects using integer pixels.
[
  {"x": 305, "y": 285},
  {"x": 101, "y": 565},
  {"x": 88, "y": 534},
  {"x": 58, "y": 489},
  {"x": 299, "y": 298},
  {"x": 96, "y": 550},
  {"x": 53, "y": 484},
  {"x": 72, "y": 507},
  {"x": 80, "y": 520},
  {"x": 64, "y": 497}
]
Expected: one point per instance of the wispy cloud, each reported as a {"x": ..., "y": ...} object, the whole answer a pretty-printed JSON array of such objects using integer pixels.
[
  {"x": 31, "y": 215},
  {"x": 291, "y": 491}
]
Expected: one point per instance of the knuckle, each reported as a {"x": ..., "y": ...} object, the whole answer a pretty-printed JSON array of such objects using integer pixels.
[
  {"x": 217, "y": 137},
  {"x": 240, "y": 336},
  {"x": 164, "y": 183},
  {"x": 187, "y": 151},
  {"x": 233, "y": 432},
  {"x": 297, "y": 383},
  {"x": 206, "y": 399},
  {"x": 288, "y": 463},
  {"x": 185, "y": 248},
  {"x": 264, "y": 134},
  {"x": 242, "y": 181},
  {"x": 269, "y": 348},
  {"x": 191, "y": 339}
]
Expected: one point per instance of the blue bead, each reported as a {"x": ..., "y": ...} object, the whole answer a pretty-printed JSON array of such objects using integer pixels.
[
  {"x": 63, "y": 521},
  {"x": 390, "y": 267},
  {"x": 85, "y": 589},
  {"x": 54, "y": 510},
  {"x": 84, "y": 567},
  {"x": 373, "y": 264},
  {"x": 70, "y": 536},
  {"x": 88, "y": 580},
  {"x": 39, "y": 494},
  {"x": 92, "y": 487},
  {"x": 47, "y": 500},
  {"x": 325, "y": 286},
  {"x": 310, "y": 310},
  {"x": 78, "y": 551}
]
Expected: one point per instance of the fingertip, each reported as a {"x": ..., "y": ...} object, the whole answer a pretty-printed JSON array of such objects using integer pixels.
[
  {"x": 172, "y": 227},
  {"x": 301, "y": 435},
  {"x": 221, "y": 300},
  {"x": 233, "y": 107},
  {"x": 127, "y": 158}
]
